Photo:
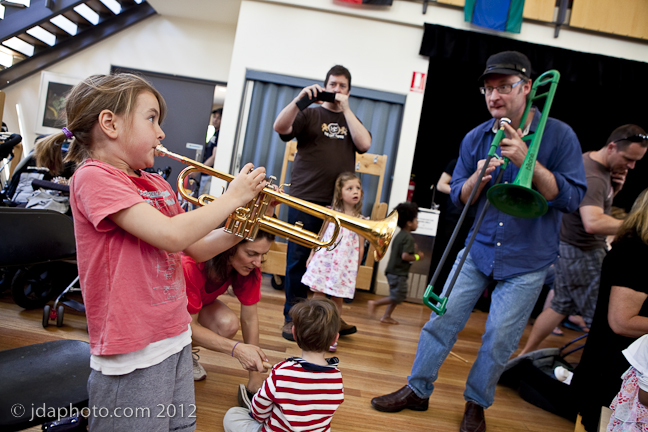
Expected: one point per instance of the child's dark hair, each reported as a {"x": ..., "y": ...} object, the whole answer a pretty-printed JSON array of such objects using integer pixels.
[
  {"x": 316, "y": 324},
  {"x": 117, "y": 93},
  {"x": 407, "y": 212}
]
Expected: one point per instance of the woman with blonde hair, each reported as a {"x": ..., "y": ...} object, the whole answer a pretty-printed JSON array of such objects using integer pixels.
[{"x": 621, "y": 317}]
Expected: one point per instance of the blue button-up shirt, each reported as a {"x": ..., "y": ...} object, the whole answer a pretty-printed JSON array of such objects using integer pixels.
[{"x": 507, "y": 246}]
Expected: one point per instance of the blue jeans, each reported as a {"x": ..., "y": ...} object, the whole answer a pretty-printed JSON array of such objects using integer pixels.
[
  {"x": 296, "y": 257},
  {"x": 512, "y": 301}
]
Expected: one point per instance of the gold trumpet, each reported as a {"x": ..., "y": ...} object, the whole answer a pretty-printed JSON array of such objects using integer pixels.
[{"x": 246, "y": 221}]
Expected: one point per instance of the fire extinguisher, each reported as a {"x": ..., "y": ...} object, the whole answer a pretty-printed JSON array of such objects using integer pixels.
[{"x": 410, "y": 188}]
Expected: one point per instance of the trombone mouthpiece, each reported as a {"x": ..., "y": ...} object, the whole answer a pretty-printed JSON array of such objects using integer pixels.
[{"x": 504, "y": 120}]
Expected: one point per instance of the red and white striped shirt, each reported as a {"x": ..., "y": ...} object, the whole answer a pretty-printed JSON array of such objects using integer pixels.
[{"x": 299, "y": 397}]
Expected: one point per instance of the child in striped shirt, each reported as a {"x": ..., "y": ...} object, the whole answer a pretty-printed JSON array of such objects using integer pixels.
[{"x": 301, "y": 393}]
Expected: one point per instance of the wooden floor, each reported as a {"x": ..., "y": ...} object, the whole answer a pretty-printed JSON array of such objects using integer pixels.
[{"x": 374, "y": 361}]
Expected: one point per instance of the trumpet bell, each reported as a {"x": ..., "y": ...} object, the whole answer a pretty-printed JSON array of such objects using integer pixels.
[{"x": 519, "y": 201}]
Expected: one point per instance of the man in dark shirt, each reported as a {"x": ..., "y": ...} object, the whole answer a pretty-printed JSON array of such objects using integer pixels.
[
  {"x": 514, "y": 252},
  {"x": 328, "y": 137},
  {"x": 583, "y": 232}
]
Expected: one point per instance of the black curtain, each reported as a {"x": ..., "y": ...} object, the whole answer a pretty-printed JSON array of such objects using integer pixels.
[{"x": 595, "y": 95}]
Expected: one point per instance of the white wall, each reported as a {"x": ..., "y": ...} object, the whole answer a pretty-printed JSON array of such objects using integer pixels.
[
  {"x": 380, "y": 47},
  {"x": 293, "y": 37},
  {"x": 167, "y": 45}
]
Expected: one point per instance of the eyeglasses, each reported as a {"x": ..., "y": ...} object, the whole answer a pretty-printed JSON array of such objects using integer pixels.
[
  {"x": 503, "y": 89},
  {"x": 635, "y": 138}
]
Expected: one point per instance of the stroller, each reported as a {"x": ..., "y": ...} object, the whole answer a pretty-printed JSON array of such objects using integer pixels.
[{"x": 38, "y": 255}]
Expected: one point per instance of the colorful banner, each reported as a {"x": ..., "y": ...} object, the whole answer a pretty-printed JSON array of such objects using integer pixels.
[
  {"x": 370, "y": 2},
  {"x": 502, "y": 15}
]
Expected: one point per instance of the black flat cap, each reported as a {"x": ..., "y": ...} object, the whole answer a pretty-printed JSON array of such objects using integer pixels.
[{"x": 507, "y": 63}]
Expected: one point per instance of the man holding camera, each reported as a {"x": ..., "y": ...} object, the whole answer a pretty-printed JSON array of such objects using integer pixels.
[{"x": 328, "y": 135}]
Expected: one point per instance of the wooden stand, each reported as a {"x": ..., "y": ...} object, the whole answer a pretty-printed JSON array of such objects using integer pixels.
[{"x": 366, "y": 163}]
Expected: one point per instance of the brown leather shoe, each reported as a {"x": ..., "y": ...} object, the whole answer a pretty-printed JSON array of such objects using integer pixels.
[
  {"x": 473, "y": 419},
  {"x": 399, "y": 400}
]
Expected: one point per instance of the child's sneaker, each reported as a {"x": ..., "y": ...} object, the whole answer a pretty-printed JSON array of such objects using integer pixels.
[
  {"x": 199, "y": 372},
  {"x": 333, "y": 347}
]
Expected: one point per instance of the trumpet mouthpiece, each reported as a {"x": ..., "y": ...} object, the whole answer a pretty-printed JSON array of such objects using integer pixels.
[{"x": 504, "y": 120}]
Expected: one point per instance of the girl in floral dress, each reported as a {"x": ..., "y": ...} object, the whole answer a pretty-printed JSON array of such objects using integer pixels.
[
  {"x": 334, "y": 272},
  {"x": 629, "y": 411}
]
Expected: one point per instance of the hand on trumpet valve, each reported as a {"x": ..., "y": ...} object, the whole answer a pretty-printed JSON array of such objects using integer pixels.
[
  {"x": 512, "y": 146},
  {"x": 248, "y": 183}
]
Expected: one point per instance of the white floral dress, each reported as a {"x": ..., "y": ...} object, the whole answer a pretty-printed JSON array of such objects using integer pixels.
[
  {"x": 335, "y": 272},
  {"x": 628, "y": 414}
]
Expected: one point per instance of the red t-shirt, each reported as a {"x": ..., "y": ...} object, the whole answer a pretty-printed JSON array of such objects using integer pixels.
[
  {"x": 134, "y": 293},
  {"x": 201, "y": 293}
]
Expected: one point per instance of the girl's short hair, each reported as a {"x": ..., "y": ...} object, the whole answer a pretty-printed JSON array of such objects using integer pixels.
[
  {"x": 216, "y": 268},
  {"x": 117, "y": 93},
  {"x": 337, "y": 193},
  {"x": 316, "y": 323}
]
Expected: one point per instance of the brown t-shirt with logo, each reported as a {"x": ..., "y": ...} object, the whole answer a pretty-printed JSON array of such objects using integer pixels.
[
  {"x": 599, "y": 193},
  {"x": 324, "y": 151}
]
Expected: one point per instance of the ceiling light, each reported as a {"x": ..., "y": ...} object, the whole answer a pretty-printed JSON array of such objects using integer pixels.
[
  {"x": 64, "y": 24},
  {"x": 86, "y": 12},
  {"x": 113, "y": 5},
  {"x": 16, "y": 3},
  {"x": 20, "y": 46},
  {"x": 139, "y": 1},
  {"x": 6, "y": 60},
  {"x": 42, "y": 35}
]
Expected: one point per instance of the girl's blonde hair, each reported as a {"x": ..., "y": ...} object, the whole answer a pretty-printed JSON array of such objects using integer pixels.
[
  {"x": 636, "y": 223},
  {"x": 337, "y": 194},
  {"x": 117, "y": 93}
]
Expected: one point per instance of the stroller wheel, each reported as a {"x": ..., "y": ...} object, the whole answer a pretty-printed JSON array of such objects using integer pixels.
[
  {"x": 6, "y": 276},
  {"x": 34, "y": 286},
  {"x": 59, "y": 316},
  {"x": 46, "y": 314}
]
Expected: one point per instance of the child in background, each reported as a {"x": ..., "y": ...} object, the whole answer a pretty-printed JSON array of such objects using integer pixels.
[
  {"x": 630, "y": 406},
  {"x": 403, "y": 253},
  {"x": 129, "y": 231},
  {"x": 301, "y": 394},
  {"x": 334, "y": 272}
]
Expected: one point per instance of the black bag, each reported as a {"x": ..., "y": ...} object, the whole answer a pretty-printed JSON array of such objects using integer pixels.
[
  {"x": 533, "y": 376},
  {"x": 76, "y": 423}
]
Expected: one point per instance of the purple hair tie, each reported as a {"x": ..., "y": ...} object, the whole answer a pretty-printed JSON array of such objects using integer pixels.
[{"x": 67, "y": 132}]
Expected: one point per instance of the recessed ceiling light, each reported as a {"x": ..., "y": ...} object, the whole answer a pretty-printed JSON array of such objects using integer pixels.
[
  {"x": 86, "y": 12},
  {"x": 43, "y": 35},
  {"x": 20, "y": 46},
  {"x": 113, "y": 5},
  {"x": 6, "y": 60},
  {"x": 65, "y": 24}
]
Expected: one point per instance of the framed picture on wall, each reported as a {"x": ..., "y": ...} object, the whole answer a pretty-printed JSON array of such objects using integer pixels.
[{"x": 51, "y": 101}]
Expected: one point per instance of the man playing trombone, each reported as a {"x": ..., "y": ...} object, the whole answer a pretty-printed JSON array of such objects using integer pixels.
[{"x": 512, "y": 251}]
